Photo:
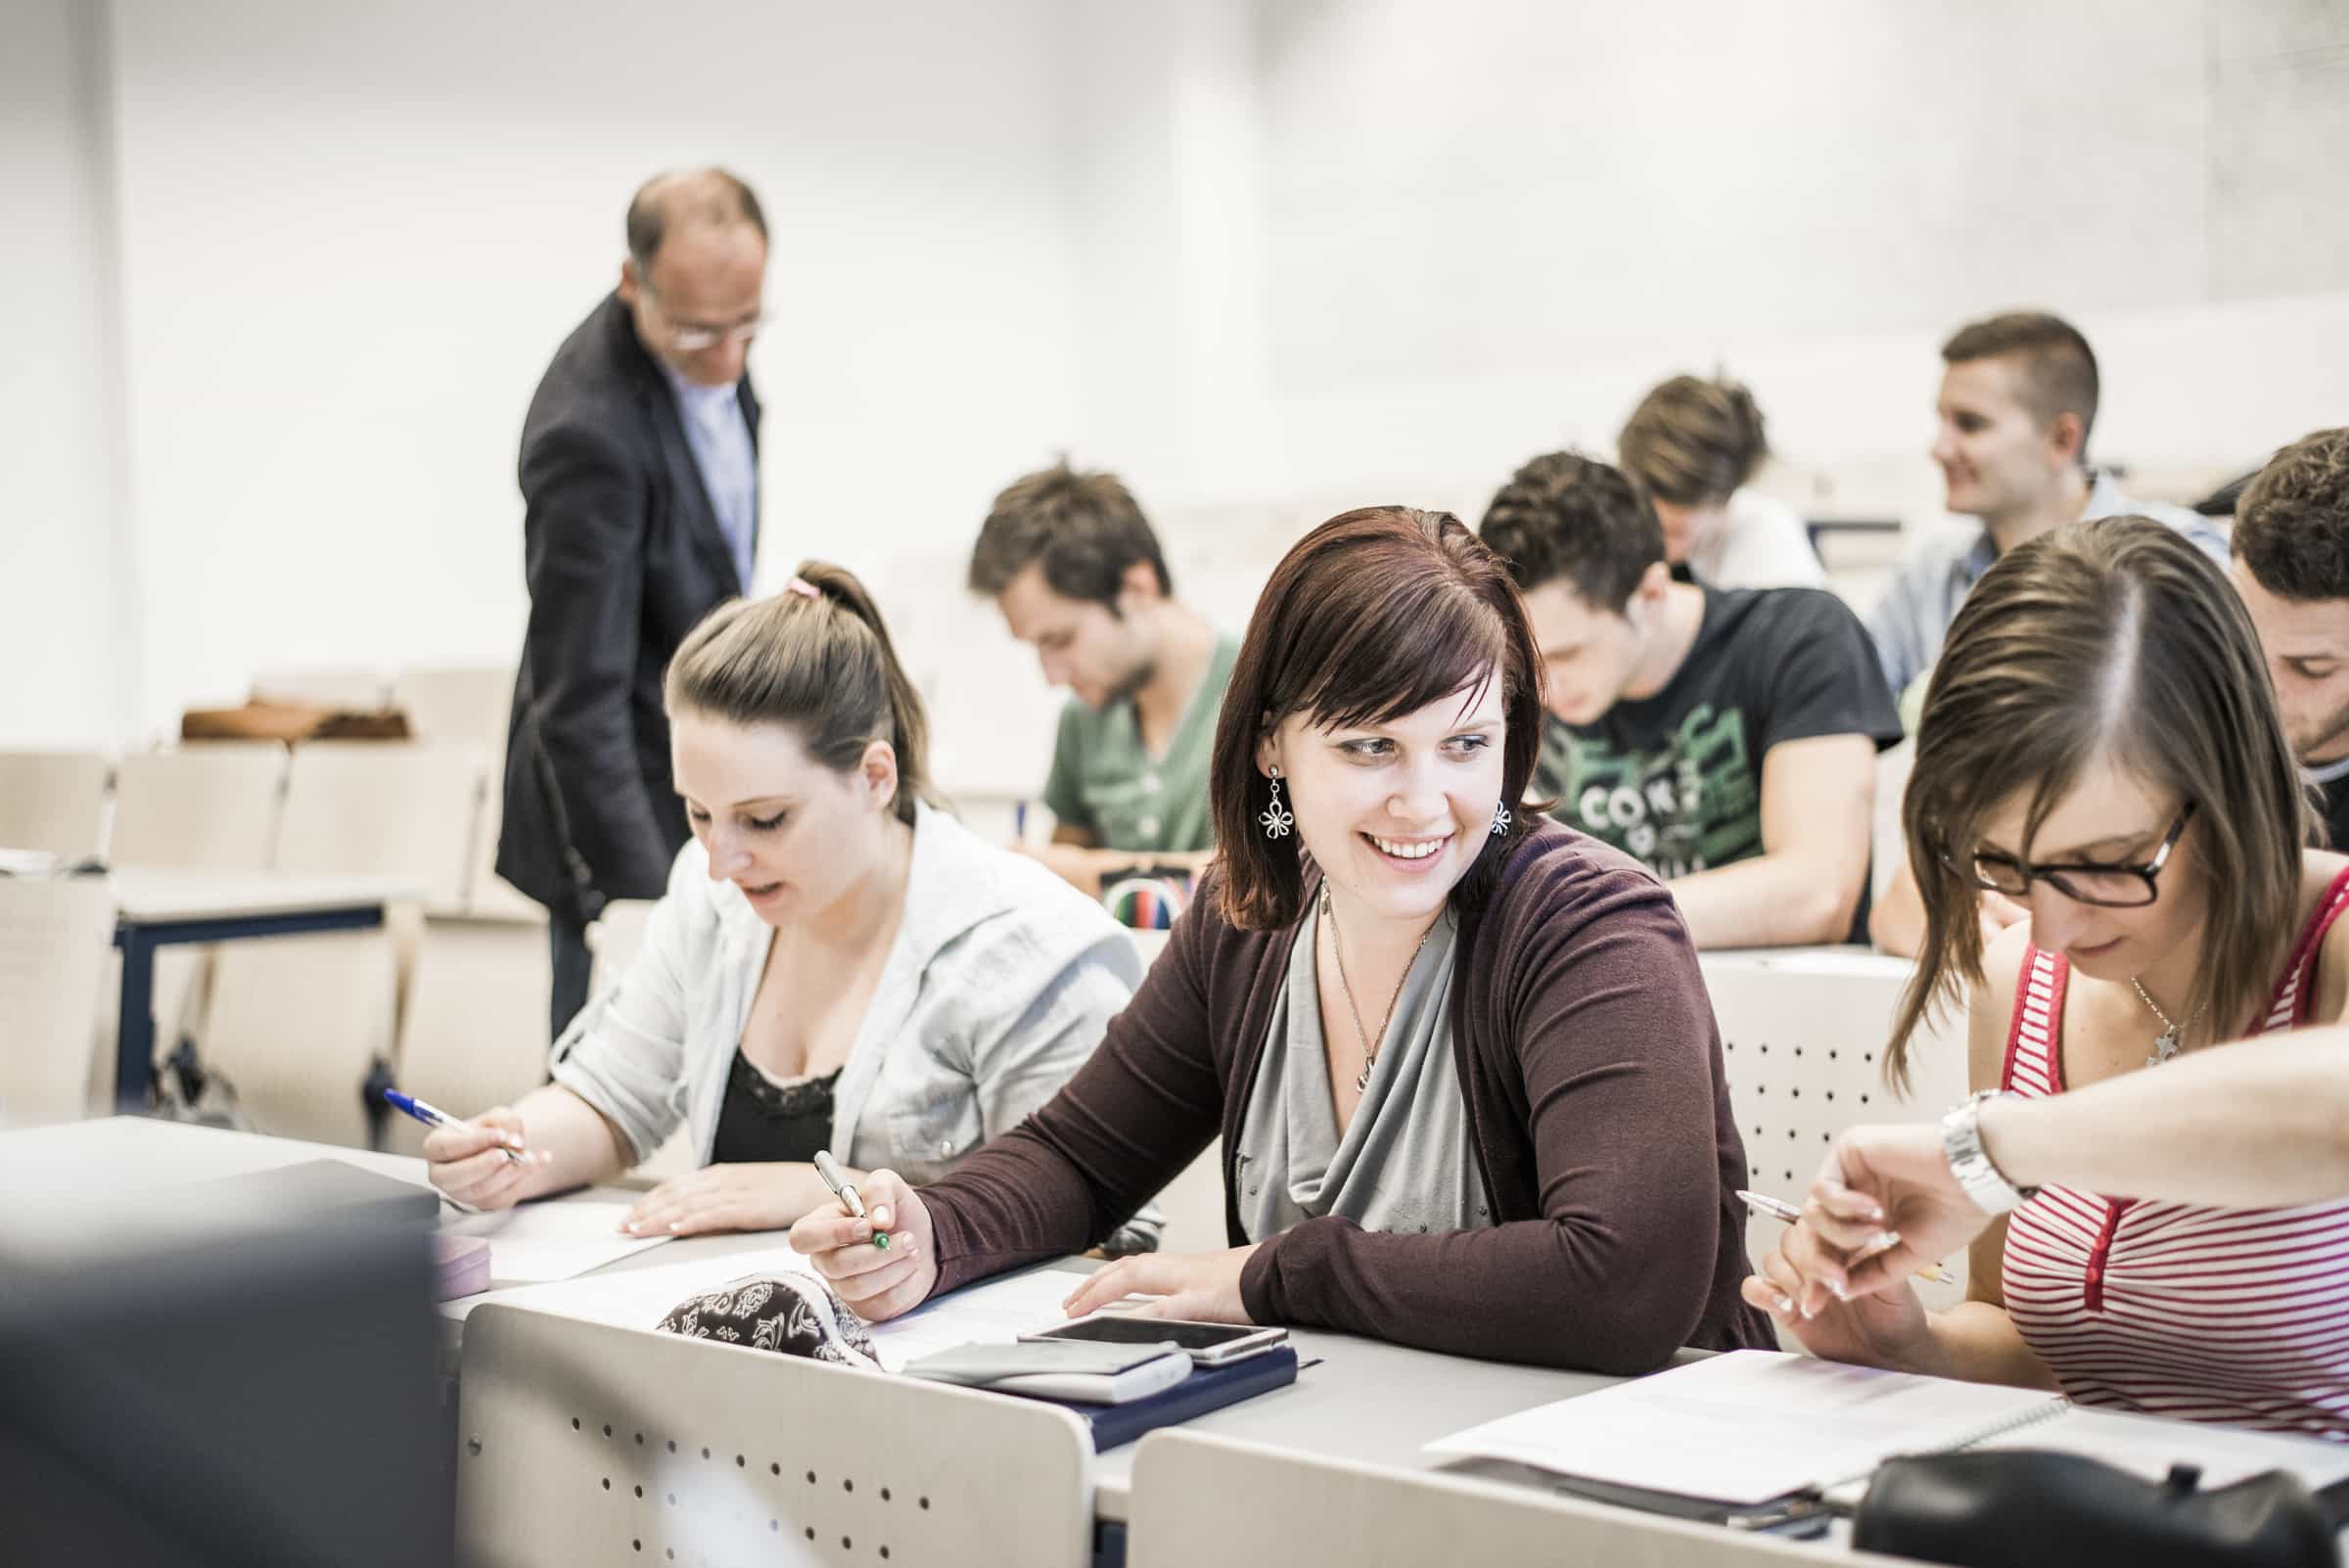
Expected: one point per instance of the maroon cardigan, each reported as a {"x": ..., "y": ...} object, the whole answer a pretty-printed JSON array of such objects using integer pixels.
[{"x": 1597, "y": 1114}]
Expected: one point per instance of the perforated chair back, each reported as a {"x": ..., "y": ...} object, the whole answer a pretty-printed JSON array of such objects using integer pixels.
[
  {"x": 582, "y": 1443},
  {"x": 54, "y": 801},
  {"x": 1802, "y": 1034},
  {"x": 54, "y": 938},
  {"x": 1206, "y": 1499},
  {"x": 213, "y": 805}
]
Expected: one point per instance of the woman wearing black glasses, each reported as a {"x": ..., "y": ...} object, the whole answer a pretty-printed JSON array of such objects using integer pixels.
[{"x": 2101, "y": 744}]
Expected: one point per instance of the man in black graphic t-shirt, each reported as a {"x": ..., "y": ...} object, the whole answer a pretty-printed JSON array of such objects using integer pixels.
[
  {"x": 2291, "y": 567},
  {"x": 1727, "y": 739}
]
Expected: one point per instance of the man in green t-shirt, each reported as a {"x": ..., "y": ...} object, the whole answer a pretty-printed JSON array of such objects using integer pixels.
[{"x": 1075, "y": 567}]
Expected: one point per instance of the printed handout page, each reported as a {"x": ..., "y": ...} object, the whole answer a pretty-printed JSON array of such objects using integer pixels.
[
  {"x": 994, "y": 1312},
  {"x": 2148, "y": 1444},
  {"x": 1747, "y": 1426},
  {"x": 531, "y": 1243}
]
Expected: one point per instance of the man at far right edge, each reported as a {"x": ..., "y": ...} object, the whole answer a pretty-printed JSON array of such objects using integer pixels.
[{"x": 2291, "y": 566}]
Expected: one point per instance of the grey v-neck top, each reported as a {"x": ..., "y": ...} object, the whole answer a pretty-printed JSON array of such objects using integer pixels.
[{"x": 1404, "y": 1162}]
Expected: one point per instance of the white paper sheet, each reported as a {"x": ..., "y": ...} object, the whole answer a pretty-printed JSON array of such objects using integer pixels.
[
  {"x": 541, "y": 1241},
  {"x": 994, "y": 1312},
  {"x": 1747, "y": 1426},
  {"x": 2148, "y": 1446}
]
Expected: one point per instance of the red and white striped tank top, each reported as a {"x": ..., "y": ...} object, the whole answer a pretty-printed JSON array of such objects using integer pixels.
[{"x": 2206, "y": 1314}]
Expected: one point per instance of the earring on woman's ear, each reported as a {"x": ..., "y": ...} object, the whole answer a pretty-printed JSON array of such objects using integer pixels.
[
  {"x": 1276, "y": 817},
  {"x": 1500, "y": 820}
]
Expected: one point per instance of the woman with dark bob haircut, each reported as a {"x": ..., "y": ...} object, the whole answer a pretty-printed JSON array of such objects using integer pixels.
[{"x": 1461, "y": 1057}]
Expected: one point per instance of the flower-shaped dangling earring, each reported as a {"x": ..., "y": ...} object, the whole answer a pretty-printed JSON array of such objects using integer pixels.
[
  {"x": 1500, "y": 820},
  {"x": 1276, "y": 817}
]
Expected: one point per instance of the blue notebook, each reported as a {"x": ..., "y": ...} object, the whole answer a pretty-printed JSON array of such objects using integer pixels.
[{"x": 1208, "y": 1388}]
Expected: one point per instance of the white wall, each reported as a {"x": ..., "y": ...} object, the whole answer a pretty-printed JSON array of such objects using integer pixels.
[
  {"x": 69, "y": 628},
  {"x": 1482, "y": 230},
  {"x": 1269, "y": 258},
  {"x": 352, "y": 237}
]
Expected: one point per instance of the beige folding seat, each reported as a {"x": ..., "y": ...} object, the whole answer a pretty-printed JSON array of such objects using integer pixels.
[
  {"x": 298, "y": 1024},
  {"x": 54, "y": 802},
  {"x": 55, "y": 937}
]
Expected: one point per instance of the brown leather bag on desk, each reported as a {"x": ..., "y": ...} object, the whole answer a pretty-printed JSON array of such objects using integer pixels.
[{"x": 290, "y": 722}]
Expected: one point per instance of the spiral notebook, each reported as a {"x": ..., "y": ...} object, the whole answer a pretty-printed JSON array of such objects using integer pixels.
[{"x": 1749, "y": 1426}]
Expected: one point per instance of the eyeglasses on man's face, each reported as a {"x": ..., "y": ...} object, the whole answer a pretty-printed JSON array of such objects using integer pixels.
[
  {"x": 692, "y": 337},
  {"x": 2114, "y": 886}
]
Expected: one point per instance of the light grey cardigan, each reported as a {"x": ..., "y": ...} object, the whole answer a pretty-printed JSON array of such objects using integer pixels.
[{"x": 1000, "y": 981}]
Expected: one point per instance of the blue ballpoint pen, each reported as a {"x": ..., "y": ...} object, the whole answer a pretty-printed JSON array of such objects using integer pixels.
[{"x": 432, "y": 1116}]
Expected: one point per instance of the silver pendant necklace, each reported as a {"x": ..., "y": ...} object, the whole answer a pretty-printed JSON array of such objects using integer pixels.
[
  {"x": 1337, "y": 946},
  {"x": 2170, "y": 1041}
]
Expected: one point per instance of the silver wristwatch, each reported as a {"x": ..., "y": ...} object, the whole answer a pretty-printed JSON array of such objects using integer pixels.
[{"x": 1969, "y": 1162}]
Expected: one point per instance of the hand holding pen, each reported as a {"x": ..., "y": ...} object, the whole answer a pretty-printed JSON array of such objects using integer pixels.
[
  {"x": 1872, "y": 1245},
  {"x": 880, "y": 1260},
  {"x": 483, "y": 1163}
]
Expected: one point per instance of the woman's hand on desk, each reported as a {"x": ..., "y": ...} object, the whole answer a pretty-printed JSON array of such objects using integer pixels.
[
  {"x": 469, "y": 1163},
  {"x": 1203, "y": 1287},
  {"x": 761, "y": 1196},
  {"x": 878, "y": 1284}
]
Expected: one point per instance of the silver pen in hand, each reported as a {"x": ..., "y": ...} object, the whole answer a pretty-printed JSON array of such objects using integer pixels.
[
  {"x": 1764, "y": 1204},
  {"x": 836, "y": 1180}
]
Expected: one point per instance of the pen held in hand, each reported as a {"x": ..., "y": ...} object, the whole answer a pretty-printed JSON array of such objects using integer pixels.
[
  {"x": 1762, "y": 1203},
  {"x": 432, "y": 1116},
  {"x": 829, "y": 1169}
]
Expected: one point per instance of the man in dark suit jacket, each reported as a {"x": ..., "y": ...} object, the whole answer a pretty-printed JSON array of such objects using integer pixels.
[{"x": 640, "y": 474}]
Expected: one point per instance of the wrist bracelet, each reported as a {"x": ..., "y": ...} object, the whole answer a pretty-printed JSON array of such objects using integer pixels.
[{"x": 1970, "y": 1163}]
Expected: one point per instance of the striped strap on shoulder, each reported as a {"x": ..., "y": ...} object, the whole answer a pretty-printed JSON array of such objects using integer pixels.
[{"x": 2030, "y": 1067}]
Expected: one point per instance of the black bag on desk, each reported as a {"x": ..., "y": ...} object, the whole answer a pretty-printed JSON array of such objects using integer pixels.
[{"x": 2028, "y": 1507}]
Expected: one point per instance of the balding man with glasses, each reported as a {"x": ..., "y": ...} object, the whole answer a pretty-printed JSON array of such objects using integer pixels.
[{"x": 640, "y": 481}]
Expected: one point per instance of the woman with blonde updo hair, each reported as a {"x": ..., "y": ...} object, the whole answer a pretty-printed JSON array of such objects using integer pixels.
[{"x": 837, "y": 964}]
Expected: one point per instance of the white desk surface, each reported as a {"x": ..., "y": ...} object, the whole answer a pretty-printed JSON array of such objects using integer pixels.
[
  {"x": 163, "y": 896},
  {"x": 127, "y": 1155},
  {"x": 1366, "y": 1401}
]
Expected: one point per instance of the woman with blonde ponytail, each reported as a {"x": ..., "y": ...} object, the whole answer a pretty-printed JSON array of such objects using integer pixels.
[{"x": 837, "y": 964}]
